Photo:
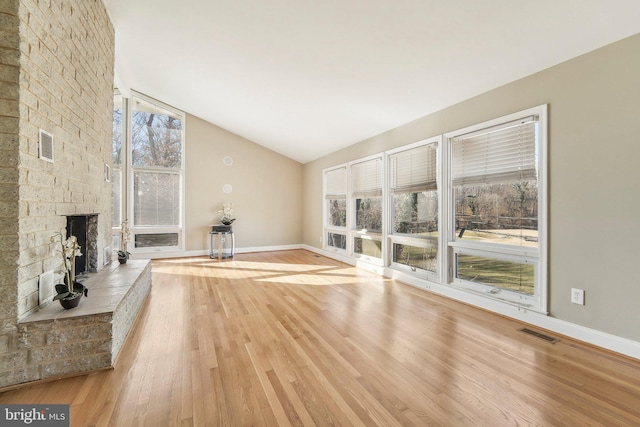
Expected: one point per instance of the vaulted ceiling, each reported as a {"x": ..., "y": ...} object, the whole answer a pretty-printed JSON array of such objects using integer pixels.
[{"x": 306, "y": 78}]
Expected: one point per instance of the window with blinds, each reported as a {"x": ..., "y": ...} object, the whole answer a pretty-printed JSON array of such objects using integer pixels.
[
  {"x": 335, "y": 194},
  {"x": 502, "y": 153},
  {"x": 366, "y": 178},
  {"x": 335, "y": 183},
  {"x": 148, "y": 136},
  {"x": 494, "y": 178},
  {"x": 466, "y": 208},
  {"x": 497, "y": 200},
  {"x": 413, "y": 186},
  {"x": 366, "y": 194},
  {"x": 414, "y": 170},
  {"x": 413, "y": 203}
]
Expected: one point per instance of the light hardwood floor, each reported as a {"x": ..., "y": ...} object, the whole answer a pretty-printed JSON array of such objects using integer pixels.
[{"x": 291, "y": 338}]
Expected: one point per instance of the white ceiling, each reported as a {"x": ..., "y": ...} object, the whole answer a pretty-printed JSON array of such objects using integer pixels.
[{"x": 306, "y": 78}]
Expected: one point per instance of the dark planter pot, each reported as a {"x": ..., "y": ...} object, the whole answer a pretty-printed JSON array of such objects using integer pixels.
[
  {"x": 122, "y": 260},
  {"x": 72, "y": 301}
]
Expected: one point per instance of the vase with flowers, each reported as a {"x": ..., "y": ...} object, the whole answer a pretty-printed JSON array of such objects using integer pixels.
[
  {"x": 226, "y": 214},
  {"x": 125, "y": 238},
  {"x": 70, "y": 292}
]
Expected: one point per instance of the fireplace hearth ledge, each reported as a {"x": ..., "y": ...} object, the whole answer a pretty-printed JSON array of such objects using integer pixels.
[{"x": 87, "y": 338}]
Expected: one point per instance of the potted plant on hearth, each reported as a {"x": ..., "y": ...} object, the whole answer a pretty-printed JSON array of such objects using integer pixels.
[
  {"x": 70, "y": 292},
  {"x": 125, "y": 237}
]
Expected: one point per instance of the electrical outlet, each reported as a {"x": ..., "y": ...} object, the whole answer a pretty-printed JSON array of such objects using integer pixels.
[{"x": 577, "y": 296}]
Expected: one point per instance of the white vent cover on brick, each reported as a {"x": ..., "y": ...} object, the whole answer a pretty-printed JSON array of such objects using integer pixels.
[{"x": 45, "y": 148}]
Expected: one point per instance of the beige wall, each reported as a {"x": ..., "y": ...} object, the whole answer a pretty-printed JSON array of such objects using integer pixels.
[
  {"x": 594, "y": 203},
  {"x": 267, "y": 189}
]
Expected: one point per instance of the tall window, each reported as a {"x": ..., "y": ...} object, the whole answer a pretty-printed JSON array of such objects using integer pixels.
[
  {"x": 116, "y": 160},
  {"x": 413, "y": 202},
  {"x": 335, "y": 191},
  {"x": 154, "y": 159},
  {"x": 366, "y": 202},
  {"x": 495, "y": 205}
]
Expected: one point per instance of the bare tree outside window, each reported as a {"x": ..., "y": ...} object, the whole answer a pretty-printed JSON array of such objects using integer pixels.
[
  {"x": 504, "y": 213},
  {"x": 337, "y": 212},
  {"x": 156, "y": 140},
  {"x": 337, "y": 240},
  {"x": 116, "y": 159},
  {"x": 416, "y": 213},
  {"x": 117, "y": 136},
  {"x": 369, "y": 214}
]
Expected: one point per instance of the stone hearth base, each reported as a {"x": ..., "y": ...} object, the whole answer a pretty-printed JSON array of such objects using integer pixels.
[{"x": 87, "y": 338}]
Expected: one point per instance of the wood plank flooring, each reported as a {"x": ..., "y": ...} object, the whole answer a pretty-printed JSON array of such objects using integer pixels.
[{"x": 294, "y": 339}]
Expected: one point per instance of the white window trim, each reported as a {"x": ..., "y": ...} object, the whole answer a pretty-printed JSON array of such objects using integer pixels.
[
  {"x": 335, "y": 230},
  {"x": 529, "y": 301},
  {"x": 156, "y": 230},
  {"x": 352, "y": 232},
  {"x": 406, "y": 239},
  {"x": 144, "y": 229},
  {"x": 130, "y": 169},
  {"x": 325, "y": 212},
  {"x": 419, "y": 243},
  {"x": 538, "y": 257},
  {"x": 122, "y": 168}
]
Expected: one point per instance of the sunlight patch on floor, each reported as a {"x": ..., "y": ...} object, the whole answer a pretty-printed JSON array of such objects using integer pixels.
[
  {"x": 308, "y": 279},
  {"x": 273, "y": 266},
  {"x": 267, "y": 272}
]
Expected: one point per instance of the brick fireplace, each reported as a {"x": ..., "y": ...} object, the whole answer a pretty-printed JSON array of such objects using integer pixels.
[{"x": 57, "y": 79}]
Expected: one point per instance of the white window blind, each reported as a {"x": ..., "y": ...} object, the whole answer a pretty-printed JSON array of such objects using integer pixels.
[
  {"x": 366, "y": 178},
  {"x": 414, "y": 170},
  {"x": 335, "y": 183},
  {"x": 498, "y": 154}
]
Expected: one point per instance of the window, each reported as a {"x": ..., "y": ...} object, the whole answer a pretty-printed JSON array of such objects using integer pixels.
[
  {"x": 496, "y": 198},
  {"x": 466, "y": 210},
  {"x": 335, "y": 202},
  {"x": 414, "y": 208},
  {"x": 156, "y": 198},
  {"x": 366, "y": 207},
  {"x": 337, "y": 241},
  {"x": 117, "y": 164},
  {"x": 152, "y": 152}
]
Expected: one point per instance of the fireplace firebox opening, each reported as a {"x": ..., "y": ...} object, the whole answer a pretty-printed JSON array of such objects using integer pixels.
[{"x": 85, "y": 228}]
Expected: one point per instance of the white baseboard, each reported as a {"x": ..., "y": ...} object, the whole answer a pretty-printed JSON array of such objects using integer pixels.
[
  {"x": 203, "y": 252},
  {"x": 267, "y": 248},
  {"x": 595, "y": 337}
]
